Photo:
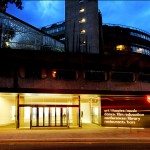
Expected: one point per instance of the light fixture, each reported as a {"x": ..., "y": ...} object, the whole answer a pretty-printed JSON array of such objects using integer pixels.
[
  {"x": 82, "y": 10},
  {"x": 82, "y": 20},
  {"x": 54, "y": 73},
  {"x": 120, "y": 47},
  {"x": 83, "y": 31}
]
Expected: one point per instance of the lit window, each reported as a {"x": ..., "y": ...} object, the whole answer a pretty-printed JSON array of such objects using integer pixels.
[
  {"x": 120, "y": 47},
  {"x": 82, "y": 10},
  {"x": 139, "y": 50},
  {"x": 81, "y": 1},
  {"x": 82, "y": 43},
  {"x": 7, "y": 44},
  {"x": 43, "y": 73},
  {"x": 54, "y": 74},
  {"x": 82, "y": 20},
  {"x": 64, "y": 74},
  {"x": 83, "y": 31},
  {"x": 148, "y": 98}
]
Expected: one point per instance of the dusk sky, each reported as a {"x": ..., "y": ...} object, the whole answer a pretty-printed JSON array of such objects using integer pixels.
[{"x": 45, "y": 12}]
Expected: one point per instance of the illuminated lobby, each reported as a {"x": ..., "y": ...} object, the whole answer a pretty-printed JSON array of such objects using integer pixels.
[
  {"x": 33, "y": 110},
  {"x": 48, "y": 110}
]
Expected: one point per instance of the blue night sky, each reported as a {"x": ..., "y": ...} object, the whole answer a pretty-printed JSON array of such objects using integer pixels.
[{"x": 41, "y": 13}]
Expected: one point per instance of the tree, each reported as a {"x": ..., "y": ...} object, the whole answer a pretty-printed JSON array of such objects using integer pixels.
[{"x": 4, "y": 4}]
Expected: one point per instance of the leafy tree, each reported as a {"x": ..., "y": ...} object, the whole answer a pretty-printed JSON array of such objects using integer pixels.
[{"x": 4, "y": 4}]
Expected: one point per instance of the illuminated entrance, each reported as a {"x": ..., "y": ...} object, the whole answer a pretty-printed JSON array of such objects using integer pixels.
[
  {"x": 58, "y": 110},
  {"x": 49, "y": 116},
  {"x": 49, "y": 110}
]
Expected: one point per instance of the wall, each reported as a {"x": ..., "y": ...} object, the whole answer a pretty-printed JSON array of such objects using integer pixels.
[{"x": 6, "y": 103}]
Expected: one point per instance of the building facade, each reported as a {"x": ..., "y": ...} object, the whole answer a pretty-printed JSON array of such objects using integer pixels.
[
  {"x": 76, "y": 87},
  {"x": 82, "y": 26}
]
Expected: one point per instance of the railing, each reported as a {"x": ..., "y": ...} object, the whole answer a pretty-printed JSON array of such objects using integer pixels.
[{"x": 125, "y": 26}]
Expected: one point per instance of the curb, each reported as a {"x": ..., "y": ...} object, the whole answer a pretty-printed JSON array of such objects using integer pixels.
[{"x": 81, "y": 140}]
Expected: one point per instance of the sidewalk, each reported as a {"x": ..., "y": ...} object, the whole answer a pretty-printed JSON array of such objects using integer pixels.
[{"x": 98, "y": 134}]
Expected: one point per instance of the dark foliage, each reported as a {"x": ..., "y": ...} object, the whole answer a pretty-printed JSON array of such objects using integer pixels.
[{"x": 4, "y": 4}]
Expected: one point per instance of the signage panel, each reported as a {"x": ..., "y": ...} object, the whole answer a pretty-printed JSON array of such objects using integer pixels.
[{"x": 125, "y": 113}]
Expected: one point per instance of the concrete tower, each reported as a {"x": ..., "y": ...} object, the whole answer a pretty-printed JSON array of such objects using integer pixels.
[{"x": 82, "y": 26}]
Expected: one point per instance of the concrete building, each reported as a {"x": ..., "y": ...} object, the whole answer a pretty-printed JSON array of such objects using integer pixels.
[
  {"x": 44, "y": 85},
  {"x": 82, "y": 26}
]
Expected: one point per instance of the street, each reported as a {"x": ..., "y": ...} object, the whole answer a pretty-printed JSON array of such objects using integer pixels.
[{"x": 73, "y": 146}]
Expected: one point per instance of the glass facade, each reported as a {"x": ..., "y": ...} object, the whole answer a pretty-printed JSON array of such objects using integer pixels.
[
  {"x": 73, "y": 110},
  {"x": 16, "y": 34}
]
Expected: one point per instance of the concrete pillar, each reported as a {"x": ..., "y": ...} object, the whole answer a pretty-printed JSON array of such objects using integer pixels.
[
  {"x": 99, "y": 111},
  {"x": 17, "y": 112},
  {"x": 75, "y": 112}
]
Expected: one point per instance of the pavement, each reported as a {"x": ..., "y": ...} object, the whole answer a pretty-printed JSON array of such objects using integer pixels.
[{"x": 84, "y": 134}]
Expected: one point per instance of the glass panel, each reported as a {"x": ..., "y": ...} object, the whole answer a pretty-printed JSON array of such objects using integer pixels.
[
  {"x": 34, "y": 116},
  {"x": 85, "y": 112},
  {"x": 46, "y": 116},
  {"x": 58, "y": 118},
  {"x": 27, "y": 116},
  {"x": 64, "y": 120},
  {"x": 95, "y": 115},
  {"x": 52, "y": 116},
  {"x": 95, "y": 110},
  {"x": 24, "y": 120},
  {"x": 41, "y": 114}
]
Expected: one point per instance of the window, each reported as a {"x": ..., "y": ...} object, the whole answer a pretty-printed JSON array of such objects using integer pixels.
[
  {"x": 81, "y": 10},
  {"x": 93, "y": 75},
  {"x": 36, "y": 73},
  {"x": 82, "y": 42},
  {"x": 144, "y": 77},
  {"x": 64, "y": 74},
  {"x": 83, "y": 20},
  {"x": 83, "y": 31},
  {"x": 81, "y": 1},
  {"x": 122, "y": 76},
  {"x": 120, "y": 47}
]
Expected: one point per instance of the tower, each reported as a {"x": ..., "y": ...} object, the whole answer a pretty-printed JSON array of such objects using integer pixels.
[{"x": 82, "y": 26}]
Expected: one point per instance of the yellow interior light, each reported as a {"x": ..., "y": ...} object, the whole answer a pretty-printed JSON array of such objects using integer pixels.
[
  {"x": 82, "y": 31},
  {"x": 139, "y": 50},
  {"x": 54, "y": 74},
  {"x": 120, "y": 47},
  {"x": 82, "y": 20},
  {"x": 7, "y": 44},
  {"x": 82, "y": 10}
]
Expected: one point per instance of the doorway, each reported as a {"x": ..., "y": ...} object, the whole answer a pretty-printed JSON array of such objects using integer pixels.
[{"x": 49, "y": 116}]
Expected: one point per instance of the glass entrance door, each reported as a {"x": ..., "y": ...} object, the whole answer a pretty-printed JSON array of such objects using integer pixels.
[{"x": 49, "y": 117}]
